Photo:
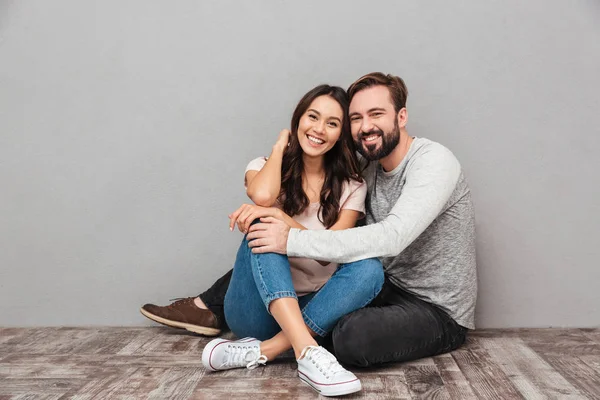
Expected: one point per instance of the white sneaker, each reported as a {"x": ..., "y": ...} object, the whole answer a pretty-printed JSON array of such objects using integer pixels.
[
  {"x": 221, "y": 354},
  {"x": 319, "y": 369}
]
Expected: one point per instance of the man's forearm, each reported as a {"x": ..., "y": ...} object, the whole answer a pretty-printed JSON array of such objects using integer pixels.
[{"x": 344, "y": 246}]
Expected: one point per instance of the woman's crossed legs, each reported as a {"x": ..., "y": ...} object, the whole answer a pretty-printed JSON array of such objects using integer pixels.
[{"x": 261, "y": 303}]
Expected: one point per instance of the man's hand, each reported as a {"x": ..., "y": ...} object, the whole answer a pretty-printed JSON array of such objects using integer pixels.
[{"x": 269, "y": 236}]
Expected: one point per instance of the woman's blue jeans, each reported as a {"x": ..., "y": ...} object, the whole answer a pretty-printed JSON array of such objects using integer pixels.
[{"x": 258, "y": 279}]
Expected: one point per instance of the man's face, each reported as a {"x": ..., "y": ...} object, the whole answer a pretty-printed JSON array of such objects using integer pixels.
[{"x": 374, "y": 123}]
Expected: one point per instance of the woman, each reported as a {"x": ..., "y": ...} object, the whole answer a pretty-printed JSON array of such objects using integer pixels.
[{"x": 311, "y": 181}]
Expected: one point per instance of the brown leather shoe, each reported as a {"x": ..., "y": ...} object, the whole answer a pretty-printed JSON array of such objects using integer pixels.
[{"x": 184, "y": 314}]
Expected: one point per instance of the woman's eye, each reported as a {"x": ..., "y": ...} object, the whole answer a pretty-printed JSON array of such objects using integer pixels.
[
  {"x": 312, "y": 116},
  {"x": 333, "y": 125}
]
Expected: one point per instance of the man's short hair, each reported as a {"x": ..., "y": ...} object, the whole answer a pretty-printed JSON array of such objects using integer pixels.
[{"x": 395, "y": 84}]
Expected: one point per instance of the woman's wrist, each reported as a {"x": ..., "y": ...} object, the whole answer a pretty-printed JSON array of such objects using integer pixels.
[{"x": 277, "y": 150}]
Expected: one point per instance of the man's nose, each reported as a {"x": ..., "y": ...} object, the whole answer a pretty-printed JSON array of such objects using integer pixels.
[{"x": 367, "y": 125}]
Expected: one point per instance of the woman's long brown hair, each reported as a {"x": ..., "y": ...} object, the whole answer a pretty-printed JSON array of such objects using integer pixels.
[{"x": 341, "y": 163}]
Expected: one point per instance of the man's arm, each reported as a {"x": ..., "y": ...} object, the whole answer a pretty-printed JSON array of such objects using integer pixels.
[{"x": 428, "y": 186}]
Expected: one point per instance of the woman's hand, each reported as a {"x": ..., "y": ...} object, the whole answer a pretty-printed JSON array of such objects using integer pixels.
[
  {"x": 283, "y": 140},
  {"x": 247, "y": 213}
]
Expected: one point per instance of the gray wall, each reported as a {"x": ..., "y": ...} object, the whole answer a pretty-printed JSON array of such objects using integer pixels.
[{"x": 125, "y": 127}]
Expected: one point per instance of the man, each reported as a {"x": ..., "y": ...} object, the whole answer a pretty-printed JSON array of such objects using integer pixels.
[{"x": 419, "y": 222}]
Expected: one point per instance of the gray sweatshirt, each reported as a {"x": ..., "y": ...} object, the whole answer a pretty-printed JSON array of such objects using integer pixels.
[{"x": 420, "y": 223}]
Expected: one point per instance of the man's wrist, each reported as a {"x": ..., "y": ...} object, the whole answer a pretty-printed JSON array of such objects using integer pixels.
[{"x": 290, "y": 241}]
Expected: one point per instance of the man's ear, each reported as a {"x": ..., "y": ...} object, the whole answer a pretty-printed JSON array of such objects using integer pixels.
[{"x": 402, "y": 117}]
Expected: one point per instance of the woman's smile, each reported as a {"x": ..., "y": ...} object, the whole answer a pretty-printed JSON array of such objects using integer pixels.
[{"x": 315, "y": 141}]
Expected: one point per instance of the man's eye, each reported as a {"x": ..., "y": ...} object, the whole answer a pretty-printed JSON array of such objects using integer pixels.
[{"x": 354, "y": 119}]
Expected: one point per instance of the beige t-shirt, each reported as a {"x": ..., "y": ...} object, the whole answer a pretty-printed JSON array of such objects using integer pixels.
[{"x": 307, "y": 274}]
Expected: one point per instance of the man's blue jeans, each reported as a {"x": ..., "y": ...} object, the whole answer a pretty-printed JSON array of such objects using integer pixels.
[{"x": 258, "y": 279}]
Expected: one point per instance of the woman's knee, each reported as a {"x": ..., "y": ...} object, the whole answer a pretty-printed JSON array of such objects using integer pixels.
[
  {"x": 375, "y": 271},
  {"x": 370, "y": 274}
]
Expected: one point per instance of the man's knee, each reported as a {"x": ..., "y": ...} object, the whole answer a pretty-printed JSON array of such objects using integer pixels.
[{"x": 350, "y": 340}]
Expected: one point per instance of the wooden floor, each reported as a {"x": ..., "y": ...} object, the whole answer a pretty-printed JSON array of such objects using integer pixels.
[{"x": 161, "y": 363}]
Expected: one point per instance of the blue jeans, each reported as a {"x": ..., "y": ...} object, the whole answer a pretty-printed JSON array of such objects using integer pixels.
[{"x": 258, "y": 279}]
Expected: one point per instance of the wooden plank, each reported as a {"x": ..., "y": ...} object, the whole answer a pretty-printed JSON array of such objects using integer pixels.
[
  {"x": 215, "y": 386},
  {"x": 560, "y": 342},
  {"x": 169, "y": 342},
  {"x": 278, "y": 368},
  {"x": 35, "y": 386},
  {"x": 100, "y": 385},
  {"x": 164, "y": 361},
  {"x": 50, "y": 340},
  {"x": 164, "y": 341},
  {"x": 135, "y": 385},
  {"x": 384, "y": 387},
  {"x": 395, "y": 368},
  {"x": 36, "y": 396},
  {"x": 7, "y": 334},
  {"x": 106, "y": 341},
  {"x": 454, "y": 380},
  {"x": 592, "y": 361},
  {"x": 62, "y": 364},
  {"x": 578, "y": 373},
  {"x": 13, "y": 337},
  {"x": 137, "y": 342},
  {"x": 528, "y": 372},
  {"x": 425, "y": 382},
  {"x": 509, "y": 332},
  {"x": 177, "y": 384},
  {"x": 487, "y": 380},
  {"x": 592, "y": 333},
  {"x": 49, "y": 366}
]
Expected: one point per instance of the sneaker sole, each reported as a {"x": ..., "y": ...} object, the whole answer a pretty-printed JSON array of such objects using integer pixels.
[
  {"x": 202, "y": 330},
  {"x": 333, "y": 390}
]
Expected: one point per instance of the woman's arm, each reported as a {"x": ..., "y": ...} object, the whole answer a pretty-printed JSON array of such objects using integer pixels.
[
  {"x": 353, "y": 198},
  {"x": 247, "y": 213},
  {"x": 263, "y": 186},
  {"x": 346, "y": 220},
  {"x": 353, "y": 207}
]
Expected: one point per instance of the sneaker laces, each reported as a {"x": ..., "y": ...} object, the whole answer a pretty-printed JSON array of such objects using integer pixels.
[
  {"x": 324, "y": 360},
  {"x": 262, "y": 360},
  {"x": 237, "y": 356}
]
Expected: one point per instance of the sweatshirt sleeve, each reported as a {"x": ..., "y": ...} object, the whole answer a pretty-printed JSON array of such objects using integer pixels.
[{"x": 430, "y": 181}]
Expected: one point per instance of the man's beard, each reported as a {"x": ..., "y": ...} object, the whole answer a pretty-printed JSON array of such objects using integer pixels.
[{"x": 389, "y": 141}]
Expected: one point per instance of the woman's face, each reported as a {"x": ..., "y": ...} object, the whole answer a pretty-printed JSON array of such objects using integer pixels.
[{"x": 320, "y": 126}]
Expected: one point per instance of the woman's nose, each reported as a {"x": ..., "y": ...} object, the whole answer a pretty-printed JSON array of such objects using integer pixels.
[{"x": 319, "y": 127}]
